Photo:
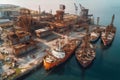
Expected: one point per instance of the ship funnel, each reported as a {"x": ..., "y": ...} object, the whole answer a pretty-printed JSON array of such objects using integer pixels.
[{"x": 112, "y": 19}]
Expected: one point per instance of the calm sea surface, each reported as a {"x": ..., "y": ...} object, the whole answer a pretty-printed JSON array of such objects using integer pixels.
[{"x": 106, "y": 66}]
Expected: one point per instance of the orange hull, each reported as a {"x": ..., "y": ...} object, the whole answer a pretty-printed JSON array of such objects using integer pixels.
[{"x": 48, "y": 66}]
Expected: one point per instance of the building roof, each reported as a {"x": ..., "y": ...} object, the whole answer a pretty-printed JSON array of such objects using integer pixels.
[
  {"x": 4, "y": 21},
  {"x": 22, "y": 45},
  {"x": 8, "y": 7},
  {"x": 18, "y": 34}
]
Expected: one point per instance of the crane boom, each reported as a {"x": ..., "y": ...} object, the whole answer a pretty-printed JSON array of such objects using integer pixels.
[
  {"x": 76, "y": 8},
  {"x": 81, "y": 7}
]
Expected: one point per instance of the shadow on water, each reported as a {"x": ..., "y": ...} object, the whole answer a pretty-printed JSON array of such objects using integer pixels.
[
  {"x": 83, "y": 74},
  {"x": 100, "y": 49},
  {"x": 101, "y": 55},
  {"x": 83, "y": 70},
  {"x": 61, "y": 68}
]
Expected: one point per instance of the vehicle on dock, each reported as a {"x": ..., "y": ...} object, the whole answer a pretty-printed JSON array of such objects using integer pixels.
[
  {"x": 108, "y": 34},
  {"x": 60, "y": 54},
  {"x": 85, "y": 53}
]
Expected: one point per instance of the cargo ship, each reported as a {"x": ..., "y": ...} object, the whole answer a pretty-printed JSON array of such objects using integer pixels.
[
  {"x": 60, "y": 54},
  {"x": 95, "y": 33},
  {"x": 85, "y": 53},
  {"x": 108, "y": 33}
]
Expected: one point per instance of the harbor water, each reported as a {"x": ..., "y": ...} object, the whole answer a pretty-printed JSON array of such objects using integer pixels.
[{"x": 106, "y": 65}]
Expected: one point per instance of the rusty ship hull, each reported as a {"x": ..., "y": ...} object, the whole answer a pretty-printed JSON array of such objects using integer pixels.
[
  {"x": 48, "y": 65},
  {"x": 82, "y": 55},
  {"x": 68, "y": 53},
  {"x": 108, "y": 34},
  {"x": 95, "y": 35},
  {"x": 84, "y": 64},
  {"x": 110, "y": 37},
  {"x": 95, "y": 39}
]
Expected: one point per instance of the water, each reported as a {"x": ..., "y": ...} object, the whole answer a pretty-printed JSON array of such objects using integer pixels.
[{"x": 106, "y": 66}]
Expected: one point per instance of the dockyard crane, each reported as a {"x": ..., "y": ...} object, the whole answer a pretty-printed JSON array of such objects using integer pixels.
[
  {"x": 81, "y": 7},
  {"x": 76, "y": 8},
  {"x": 84, "y": 12}
]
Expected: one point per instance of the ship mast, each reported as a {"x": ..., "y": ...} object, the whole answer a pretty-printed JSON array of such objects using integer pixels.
[
  {"x": 59, "y": 45},
  {"x": 109, "y": 27},
  {"x": 113, "y": 17},
  {"x": 39, "y": 13},
  {"x": 98, "y": 19}
]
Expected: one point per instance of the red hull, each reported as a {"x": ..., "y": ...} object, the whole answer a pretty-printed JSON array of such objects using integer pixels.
[
  {"x": 68, "y": 52},
  {"x": 48, "y": 66}
]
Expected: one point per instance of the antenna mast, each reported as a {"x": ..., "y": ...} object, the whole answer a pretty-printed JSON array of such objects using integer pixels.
[
  {"x": 39, "y": 13},
  {"x": 112, "y": 19}
]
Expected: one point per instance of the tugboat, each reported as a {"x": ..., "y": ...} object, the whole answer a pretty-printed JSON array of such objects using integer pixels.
[
  {"x": 108, "y": 33},
  {"x": 95, "y": 33},
  {"x": 60, "y": 54},
  {"x": 85, "y": 53}
]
